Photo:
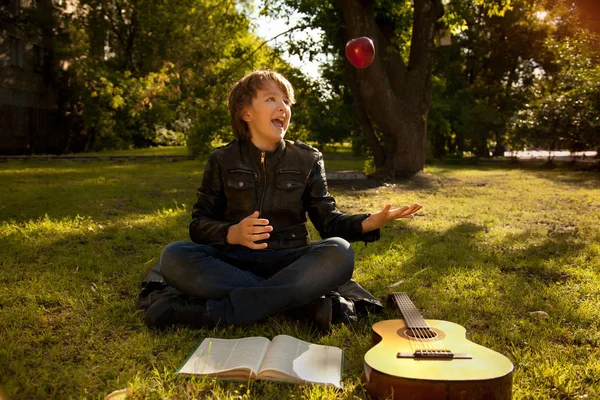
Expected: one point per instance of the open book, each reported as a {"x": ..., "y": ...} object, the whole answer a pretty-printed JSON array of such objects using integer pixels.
[{"x": 284, "y": 358}]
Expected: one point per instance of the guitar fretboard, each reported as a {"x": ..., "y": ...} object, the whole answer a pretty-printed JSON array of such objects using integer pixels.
[{"x": 412, "y": 316}]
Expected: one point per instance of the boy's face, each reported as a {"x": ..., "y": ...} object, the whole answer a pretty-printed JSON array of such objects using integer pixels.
[{"x": 268, "y": 117}]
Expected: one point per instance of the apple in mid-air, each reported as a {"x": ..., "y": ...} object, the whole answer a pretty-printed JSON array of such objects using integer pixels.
[{"x": 360, "y": 51}]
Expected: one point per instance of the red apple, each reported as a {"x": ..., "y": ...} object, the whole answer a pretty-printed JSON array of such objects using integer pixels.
[{"x": 360, "y": 51}]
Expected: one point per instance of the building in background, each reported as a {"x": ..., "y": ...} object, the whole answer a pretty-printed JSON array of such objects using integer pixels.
[{"x": 29, "y": 119}]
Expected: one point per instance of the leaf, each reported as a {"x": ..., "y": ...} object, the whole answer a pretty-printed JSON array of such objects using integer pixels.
[
  {"x": 539, "y": 314},
  {"x": 117, "y": 102}
]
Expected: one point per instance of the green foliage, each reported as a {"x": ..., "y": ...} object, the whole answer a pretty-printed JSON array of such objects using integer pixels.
[
  {"x": 123, "y": 109},
  {"x": 439, "y": 131},
  {"x": 396, "y": 17},
  {"x": 510, "y": 76},
  {"x": 334, "y": 119},
  {"x": 482, "y": 80},
  {"x": 496, "y": 47},
  {"x": 564, "y": 111},
  {"x": 495, "y": 7},
  {"x": 143, "y": 74},
  {"x": 369, "y": 168}
]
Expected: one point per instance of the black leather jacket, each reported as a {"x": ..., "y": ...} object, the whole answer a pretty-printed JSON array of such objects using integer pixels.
[{"x": 283, "y": 185}]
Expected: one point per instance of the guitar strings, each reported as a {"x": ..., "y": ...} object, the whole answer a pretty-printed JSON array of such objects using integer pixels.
[
  {"x": 416, "y": 323},
  {"x": 405, "y": 314},
  {"x": 419, "y": 327},
  {"x": 425, "y": 334},
  {"x": 407, "y": 309},
  {"x": 423, "y": 331}
]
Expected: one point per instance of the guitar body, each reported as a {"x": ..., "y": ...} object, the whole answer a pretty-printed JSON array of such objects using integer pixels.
[{"x": 486, "y": 375}]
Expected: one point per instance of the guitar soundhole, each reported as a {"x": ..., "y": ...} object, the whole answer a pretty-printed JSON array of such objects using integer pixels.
[{"x": 420, "y": 333}]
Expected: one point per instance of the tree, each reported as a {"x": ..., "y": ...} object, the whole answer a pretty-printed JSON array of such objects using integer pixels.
[
  {"x": 392, "y": 96},
  {"x": 152, "y": 73},
  {"x": 141, "y": 73},
  {"x": 395, "y": 94},
  {"x": 564, "y": 109},
  {"x": 487, "y": 72}
]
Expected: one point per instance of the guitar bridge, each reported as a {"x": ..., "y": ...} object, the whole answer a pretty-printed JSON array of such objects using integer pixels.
[{"x": 436, "y": 354}]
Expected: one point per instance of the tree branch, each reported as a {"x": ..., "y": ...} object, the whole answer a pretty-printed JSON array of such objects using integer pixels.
[
  {"x": 113, "y": 24},
  {"x": 426, "y": 13},
  {"x": 261, "y": 45}
]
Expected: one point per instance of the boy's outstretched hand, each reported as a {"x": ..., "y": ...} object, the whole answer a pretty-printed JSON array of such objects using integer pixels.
[
  {"x": 386, "y": 215},
  {"x": 250, "y": 230}
]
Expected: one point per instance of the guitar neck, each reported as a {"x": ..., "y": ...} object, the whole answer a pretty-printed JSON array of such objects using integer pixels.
[{"x": 412, "y": 316}]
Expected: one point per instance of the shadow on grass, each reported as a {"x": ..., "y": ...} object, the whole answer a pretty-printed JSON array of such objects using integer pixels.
[
  {"x": 67, "y": 305},
  {"x": 67, "y": 292},
  {"x": 456, "y": 275},
  {"x": 563, "y": 172},
  {"x": 571, "y": 179},
  {"x": 71, "y": 301},
  {"x": 99, "y": 190}
]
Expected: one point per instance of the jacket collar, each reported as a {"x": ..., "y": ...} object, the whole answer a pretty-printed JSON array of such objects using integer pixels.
[{"x": 255, "y": 152}]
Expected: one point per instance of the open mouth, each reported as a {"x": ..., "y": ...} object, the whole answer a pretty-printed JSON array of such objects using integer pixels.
[{"x": 278, "y": 122}]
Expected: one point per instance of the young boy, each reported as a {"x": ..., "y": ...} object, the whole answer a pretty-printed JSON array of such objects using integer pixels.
[{"x": 251, "y": 255}]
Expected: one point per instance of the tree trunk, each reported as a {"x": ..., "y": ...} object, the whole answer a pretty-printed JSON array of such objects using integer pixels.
[
  {"x": 376, "y": 147},
  {"x": 396, "y": 96},
  {"x": 97, "y": 34},
  {"x": 500, "y": 147}
]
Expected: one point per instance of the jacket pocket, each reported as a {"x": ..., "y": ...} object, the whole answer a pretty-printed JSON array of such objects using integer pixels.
[
  {"x": 289, "y": 187},
  {"x": 240, "y": 189}
]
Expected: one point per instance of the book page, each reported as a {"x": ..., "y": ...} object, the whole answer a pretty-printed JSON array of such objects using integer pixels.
[
  {"x": 214, "y": 356},
  {"x": 302, "y": 361}
]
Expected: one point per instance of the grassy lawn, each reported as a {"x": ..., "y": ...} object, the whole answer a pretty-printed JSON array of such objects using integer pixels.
[
  {"x": 149, "y": 151},
  {"x": 334, "y": 149},
  {"x": 340, "y": 155},
  {"x": 491, "y": 245}
]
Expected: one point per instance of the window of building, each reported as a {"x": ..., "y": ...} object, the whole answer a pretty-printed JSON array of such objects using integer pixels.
[
  {"x": 16, "y": 51},
  {"x": 40, "y": 100},
  {"x": 9, "y": 8},
  {"x": 13, "y": 7},
  {"x": 19, "y": 115},
  {"x": 18, "y": 98},
  {"x": 38, "y": 55}
]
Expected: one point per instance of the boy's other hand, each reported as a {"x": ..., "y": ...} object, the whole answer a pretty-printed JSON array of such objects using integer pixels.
[
  {"x": 250, "y": 230},
  {"x": 377, "y": 220}
]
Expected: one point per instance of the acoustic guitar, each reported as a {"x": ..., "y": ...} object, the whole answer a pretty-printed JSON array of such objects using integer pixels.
[{"x": 418, "y": 359}]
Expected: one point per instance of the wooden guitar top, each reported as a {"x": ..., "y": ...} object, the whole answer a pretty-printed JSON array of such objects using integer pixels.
[{"x": 485, "y": 364}]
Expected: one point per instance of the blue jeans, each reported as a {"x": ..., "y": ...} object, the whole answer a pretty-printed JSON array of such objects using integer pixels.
[{"x": 243, "y": 286}]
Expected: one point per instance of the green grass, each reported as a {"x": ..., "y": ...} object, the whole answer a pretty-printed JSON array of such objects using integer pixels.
[
  {"x": 340, "y": 155},
  {"x": 334, "y": 149},
  {"x": 491, "y": 245},
  {"x": 344, "y": 164},
  {"x": 148, "y": 151}
]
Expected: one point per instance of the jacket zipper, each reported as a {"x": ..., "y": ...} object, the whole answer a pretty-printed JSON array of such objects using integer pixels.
[{"x": 264, "y": 173}]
